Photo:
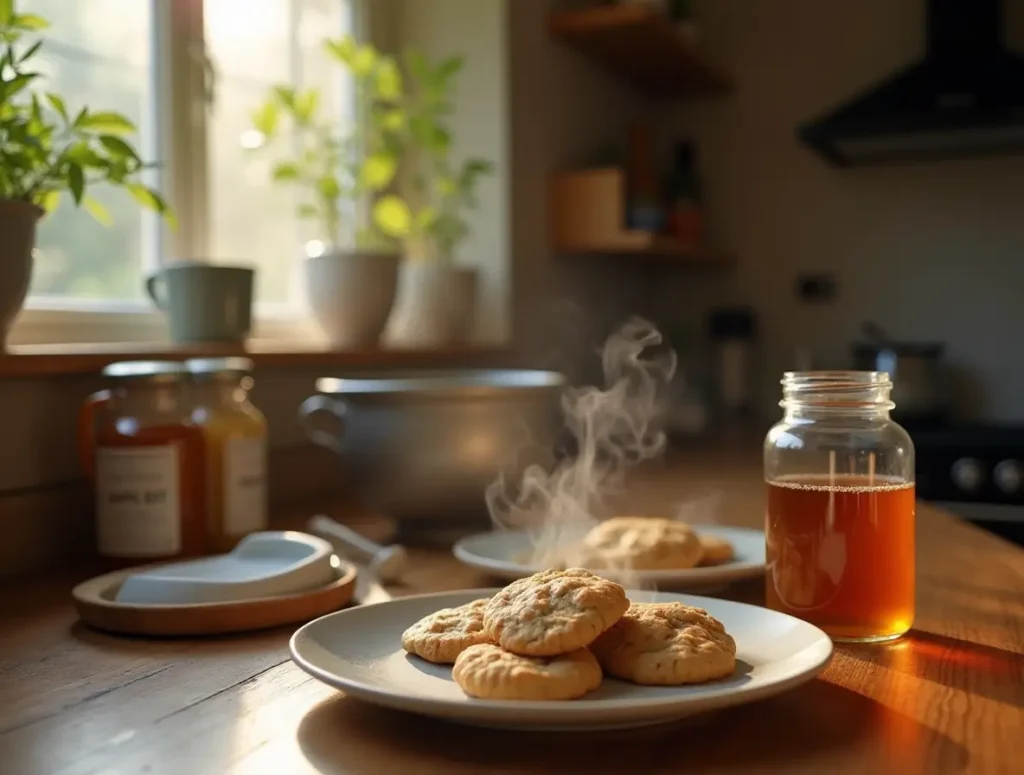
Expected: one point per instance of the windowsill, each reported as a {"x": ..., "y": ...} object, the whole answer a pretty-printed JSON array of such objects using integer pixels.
[{"x": 57, "y": 359}]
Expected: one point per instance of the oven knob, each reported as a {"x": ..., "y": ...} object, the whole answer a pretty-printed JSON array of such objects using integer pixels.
[
  {"x": 1009, "y": 476},
  {"x": 967, "y": 474}
]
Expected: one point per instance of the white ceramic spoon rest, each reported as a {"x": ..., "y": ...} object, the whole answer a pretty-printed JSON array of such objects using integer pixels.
[{"x": 261, "y": 565}]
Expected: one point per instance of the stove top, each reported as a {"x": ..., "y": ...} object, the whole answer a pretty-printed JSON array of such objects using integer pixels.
[{"x": 976, "y": 471}]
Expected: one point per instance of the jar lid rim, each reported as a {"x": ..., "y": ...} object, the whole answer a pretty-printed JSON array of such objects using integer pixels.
[
  {"x": 212, "y": 368},
  {"x": 162, "y": 371}
]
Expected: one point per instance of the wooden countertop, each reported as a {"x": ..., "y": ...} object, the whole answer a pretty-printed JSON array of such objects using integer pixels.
[{"x": 947, "y": 698}]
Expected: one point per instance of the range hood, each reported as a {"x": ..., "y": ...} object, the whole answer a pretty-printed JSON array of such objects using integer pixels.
[{"x": 965, "y": 98}]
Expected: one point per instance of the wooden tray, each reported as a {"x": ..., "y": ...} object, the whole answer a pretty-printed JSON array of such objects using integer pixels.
[{"x": 96, "y": 606}]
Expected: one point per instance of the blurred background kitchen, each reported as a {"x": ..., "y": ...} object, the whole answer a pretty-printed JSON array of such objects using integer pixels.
[{"x": 727, "y": 170}]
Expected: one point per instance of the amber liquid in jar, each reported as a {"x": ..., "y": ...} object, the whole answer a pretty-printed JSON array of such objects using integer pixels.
[{"x": 841, "y": 553}]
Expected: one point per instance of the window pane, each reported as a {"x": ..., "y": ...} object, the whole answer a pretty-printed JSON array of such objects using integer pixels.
[
  {"x": 98, "y": 53},
  {"x": 251, "y": 220}
]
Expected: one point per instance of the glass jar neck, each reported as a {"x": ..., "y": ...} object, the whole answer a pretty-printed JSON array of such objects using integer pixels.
[
  {"x": 836, "y": 395},
  {"x": 222, "y": 394},
  {"x": 146, "y": 398}
]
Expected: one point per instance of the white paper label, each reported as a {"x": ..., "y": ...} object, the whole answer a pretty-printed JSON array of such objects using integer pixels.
[
  {"x": 245, "y": 485},
  {"x": 138, "y": 510}
]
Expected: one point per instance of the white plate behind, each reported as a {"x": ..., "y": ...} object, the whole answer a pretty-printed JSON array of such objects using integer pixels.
[
  {"x": 359, "y": 651},
  {"x": 498, "y": 553}
]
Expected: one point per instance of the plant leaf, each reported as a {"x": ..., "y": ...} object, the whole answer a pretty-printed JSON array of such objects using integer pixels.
[
  {"x": 6, "y": 12},
  {"x": 306, "y": 210},
  {"x": 285, "y": 171},
  {"x": 378, "y": 171},
  {"x": 393, "y": 120},
  {"x": 392, "y": 216},
  {"x": 29, "y": 21},
  {"x": 76, "y": 181},
  {"x": 49, "y": 200},
  {"x": 365, "y": 60},
  {"x": 306, "y": 104},
  {"x": 449, "y": 68},
  {"x": 286, "y": 95},
  {"x": 148, "y": 198},
  {"x": 328, "y": 187},
  {"x": 446, "y": 186},
  {"x": 266, "y": 118},
  {"x": 426, "y": 218},
  {"x": 389, "y": 80},
  {"x": 343, "y": 50},
  {"x": 30, "y": 51},
  {"x": 111, "y": 123},
  {"x": 96, "y": 210},
  {"x": 9, "y": 88},
  {"x": 118, "y": 148},
  {"x": 58, "y": 105}
]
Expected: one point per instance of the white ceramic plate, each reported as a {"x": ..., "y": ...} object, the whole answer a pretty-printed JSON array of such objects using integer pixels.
[
  {"x": 359, "y": 651},
  {"x": 498, "y": 553}
]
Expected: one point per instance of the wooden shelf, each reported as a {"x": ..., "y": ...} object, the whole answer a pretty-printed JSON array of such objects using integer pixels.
[
  {"x": 50, "y": 360},
  {"x": 587, "y": 215},
  {"x": 641, "y": 45}
]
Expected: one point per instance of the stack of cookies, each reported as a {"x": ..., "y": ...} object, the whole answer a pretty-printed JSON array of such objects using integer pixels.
[
  {"x": 652, "y": 543},
  {"x": 554, "y": 635}
]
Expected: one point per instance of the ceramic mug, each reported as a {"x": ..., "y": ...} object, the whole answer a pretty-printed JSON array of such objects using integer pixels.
[{"x": 204, "y": 303}]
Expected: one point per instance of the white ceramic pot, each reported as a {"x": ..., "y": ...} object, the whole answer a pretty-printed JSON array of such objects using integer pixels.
[
  {"x": 18, "y": 226},
  {"x": 351, "y": 294},
  {"x": 436, "y": 305}
]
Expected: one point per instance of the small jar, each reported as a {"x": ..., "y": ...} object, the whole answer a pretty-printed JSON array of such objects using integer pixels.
[
  {"x": 147, "y": 461},
  {"x": 839, "y": 523},
  {"x": 236, "y": 443}
]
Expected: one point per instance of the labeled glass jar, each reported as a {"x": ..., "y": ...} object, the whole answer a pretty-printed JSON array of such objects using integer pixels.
[
  {"x": 146, "y": 459},
  {"x": 840, "y": 514},
  {"x": 236, "y": 444}
]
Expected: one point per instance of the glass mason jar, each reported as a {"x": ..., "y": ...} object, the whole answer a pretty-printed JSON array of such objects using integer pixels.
[
  {"x": 236, "y": 445},
  {"x": 839, "y": 523},
  {"x": 146, "y": 459}
]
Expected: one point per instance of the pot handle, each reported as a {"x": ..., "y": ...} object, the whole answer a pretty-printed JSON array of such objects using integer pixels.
[{"x": 316, "y": 405}]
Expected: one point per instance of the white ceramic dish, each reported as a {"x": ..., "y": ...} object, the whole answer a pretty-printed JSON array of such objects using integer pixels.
[
  {"x": 499, "y": 554},
  {"x": 262, "y": 565},
  {"x": 359, "y": 651}
]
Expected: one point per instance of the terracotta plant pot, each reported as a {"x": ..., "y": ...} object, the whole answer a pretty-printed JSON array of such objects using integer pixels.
[
  {"x": 436, "y": 306},
  {"x": 351, "y": 294},
  {"x": 18, "y": 226}
]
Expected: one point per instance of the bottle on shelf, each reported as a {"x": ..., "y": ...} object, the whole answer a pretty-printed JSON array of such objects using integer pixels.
[
  {"x": 685, "y": 219},
  {"x": 645, "y": 209}
]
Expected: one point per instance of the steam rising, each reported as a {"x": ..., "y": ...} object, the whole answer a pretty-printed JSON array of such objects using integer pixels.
[{"x": 613, "y": 429}]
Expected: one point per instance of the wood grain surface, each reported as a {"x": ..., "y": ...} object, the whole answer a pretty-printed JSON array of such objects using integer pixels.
[{"x": 948, "y": 698}]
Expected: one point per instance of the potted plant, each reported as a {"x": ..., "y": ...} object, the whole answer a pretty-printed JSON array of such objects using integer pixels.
[
  {"x": 352, "y": 274},
  {"x": 437, "y": 297},
  {"x": 47, "y": 151}
]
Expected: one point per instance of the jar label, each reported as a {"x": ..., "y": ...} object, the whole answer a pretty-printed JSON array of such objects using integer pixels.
[
  {"x": 138, "y": 511},
  {"x": 245, "y": 485}
]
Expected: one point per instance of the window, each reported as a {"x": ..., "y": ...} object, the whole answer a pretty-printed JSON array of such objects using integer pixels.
[{"x": 189, "y": 73}]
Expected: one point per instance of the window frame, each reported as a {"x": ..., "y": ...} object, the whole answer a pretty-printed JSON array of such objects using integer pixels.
[{"x": 179, "y": 115}]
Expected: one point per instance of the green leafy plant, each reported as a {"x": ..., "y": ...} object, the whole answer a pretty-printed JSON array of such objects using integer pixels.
[
  {"x": 334, "y": 165},
  {"x": 431, "y": 221},
  {"x": 44, "y": 149}
]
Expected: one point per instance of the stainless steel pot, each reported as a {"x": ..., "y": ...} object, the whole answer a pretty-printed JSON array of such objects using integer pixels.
[{"x": 427, "y": 445}]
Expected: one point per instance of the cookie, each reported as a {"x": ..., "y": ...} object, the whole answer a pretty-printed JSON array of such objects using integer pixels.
[
  {"x": 666, "y": 644},
  {"x": 716, "y": 551},
  {"x": 443, "y": 635},
  {"x": 489, "y": 672},
  {"x": 553, "y": 612},
  {"x": 643, "y": 543}
]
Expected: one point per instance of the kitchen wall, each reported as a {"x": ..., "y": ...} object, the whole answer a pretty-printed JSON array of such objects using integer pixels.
[
  {"x": 930, "y": 251},
  {"x": 564, "y": 111}
]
